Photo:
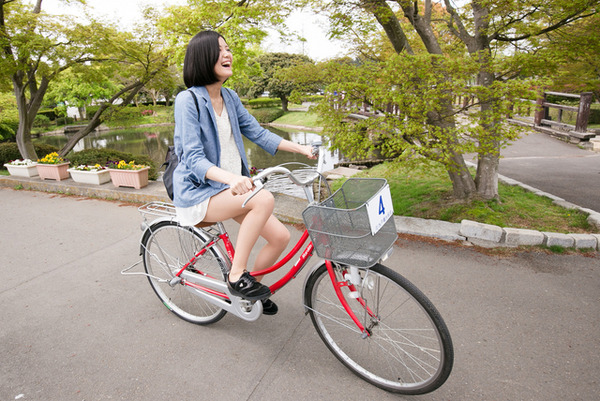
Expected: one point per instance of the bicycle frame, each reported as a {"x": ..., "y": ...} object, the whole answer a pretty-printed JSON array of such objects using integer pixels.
[{"x": 300, "y": 263}]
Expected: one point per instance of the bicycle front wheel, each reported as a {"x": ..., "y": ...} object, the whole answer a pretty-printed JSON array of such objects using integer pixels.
[
  {"x": 166, "y": 248},
  {"x": 408, "y": 348}
]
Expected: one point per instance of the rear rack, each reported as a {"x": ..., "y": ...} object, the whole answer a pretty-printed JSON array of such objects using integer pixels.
[{"x": 157, "y": 208}]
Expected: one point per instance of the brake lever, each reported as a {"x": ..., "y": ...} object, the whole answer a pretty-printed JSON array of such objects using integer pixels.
[
  {"x": 258, "y": 185},
  {"x": 315, "y": 147}
]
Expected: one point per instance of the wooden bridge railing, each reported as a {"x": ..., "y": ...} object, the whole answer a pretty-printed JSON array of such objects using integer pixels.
[{"x": 542, "y": 115}]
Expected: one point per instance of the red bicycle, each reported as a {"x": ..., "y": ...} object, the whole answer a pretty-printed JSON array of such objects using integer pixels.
[{"x": 377, "y": 323}]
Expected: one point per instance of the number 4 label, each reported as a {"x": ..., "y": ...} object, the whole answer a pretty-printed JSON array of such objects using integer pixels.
[{"x": 380, "y": 209}]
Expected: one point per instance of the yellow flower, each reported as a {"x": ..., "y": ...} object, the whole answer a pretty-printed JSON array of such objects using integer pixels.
[
  {"x": 122, "y": 165},
  {"x": 51, "y": 158}
]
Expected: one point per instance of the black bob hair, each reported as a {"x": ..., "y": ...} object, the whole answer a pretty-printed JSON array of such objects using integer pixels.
[{"x": 200, "y": 58}]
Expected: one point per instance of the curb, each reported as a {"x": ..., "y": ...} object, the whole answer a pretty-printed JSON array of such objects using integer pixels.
[
  {"x": 154, "y": 191},
  {"x": 289, "y": 209}
]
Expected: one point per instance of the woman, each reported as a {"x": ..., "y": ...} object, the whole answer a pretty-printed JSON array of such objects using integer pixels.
[{"x": 212, "y": 180}]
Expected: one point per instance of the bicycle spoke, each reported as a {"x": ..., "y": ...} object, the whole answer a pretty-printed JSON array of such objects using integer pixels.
[
  {"x": 403, "y": 352},
  {"x": 167, "y": 248}
]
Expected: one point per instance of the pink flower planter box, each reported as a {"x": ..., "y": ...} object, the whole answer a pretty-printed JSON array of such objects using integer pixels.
[
  {"x": 129, "y": 178},
  {"x": 56, "y": 172}
]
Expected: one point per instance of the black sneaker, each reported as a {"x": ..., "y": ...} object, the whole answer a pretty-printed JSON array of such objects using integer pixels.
[
  {"x": 269, "y": 307},
  {"x": 248, "y": 288}
]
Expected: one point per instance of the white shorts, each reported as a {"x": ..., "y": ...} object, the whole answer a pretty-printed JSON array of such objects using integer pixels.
[{"x": 190, "y": 216}]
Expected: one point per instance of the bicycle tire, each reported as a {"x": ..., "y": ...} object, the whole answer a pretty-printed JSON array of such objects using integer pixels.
[
  {"x": 166, "y": 247},
  {"x": 409, "y": 349}
]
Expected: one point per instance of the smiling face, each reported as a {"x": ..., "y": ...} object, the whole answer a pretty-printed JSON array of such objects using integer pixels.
[{"x": 223, "y": 68}]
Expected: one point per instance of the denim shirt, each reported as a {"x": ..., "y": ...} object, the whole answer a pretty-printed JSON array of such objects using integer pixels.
[{"x": 196, "y": 141}]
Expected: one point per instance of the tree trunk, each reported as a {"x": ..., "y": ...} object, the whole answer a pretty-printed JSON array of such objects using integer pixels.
[
  {"x": 22, "y": 81},
  {"x": 463, "y": 185},
  {"x": 284, "y": 103},
  {"x": 487, "y": 176},
  {"x": 389, "y": 22},
  {"x": 27, "y": 111},
  {"x": 489, "y": 147}
]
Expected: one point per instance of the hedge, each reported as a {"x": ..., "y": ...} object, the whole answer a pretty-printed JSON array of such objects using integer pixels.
[
  {"x": 594, "y": 116},
  {"x": 10, "y": 151},
  {"x": 267, "y": 115},
  {"x": 264, "y": 102}
]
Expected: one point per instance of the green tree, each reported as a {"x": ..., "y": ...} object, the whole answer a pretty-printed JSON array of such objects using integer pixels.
[
  {"x": 487, "y": 39},
  {"x": 570, "y": 56},
  {"x": 9, "y": 116},
  {"x": 80, "y": 87},
  {"x": 243, "y": 23},
  {"x": 164, "y": 84},
  {"x": 276, "y": 75},
  {"x": 37, "y": 48},
  {"x": 130, "y": 61}
]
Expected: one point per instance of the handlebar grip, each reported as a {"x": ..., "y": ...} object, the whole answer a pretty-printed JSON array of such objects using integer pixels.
[
  {"x": 315, "y": 147},
  {"x": 258, "y": 185}
]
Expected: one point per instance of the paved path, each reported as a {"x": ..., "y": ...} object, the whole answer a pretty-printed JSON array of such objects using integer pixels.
[
  {"x": 555, "y": 167},
  {"x": 525, "y": 327}
]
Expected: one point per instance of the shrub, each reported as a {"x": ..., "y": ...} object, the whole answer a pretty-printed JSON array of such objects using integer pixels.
[
  {"x": 91, "y": 110},
  {"x": 264, "y": 102},
  {"x": 313, "y": 98},
  {"x": 104, "y": 156},
  {"x": 65, "y": 120},
  {"x": 51, "y": 114},
  {"x": 267, "y": 115},
  {"x": 8, "y": 129},
  {"x": 41, "y": 121},
  {"x": 9, "y": 118},
  {"x": 594, "y": 116},
  {"x": 10, "y": 151}
]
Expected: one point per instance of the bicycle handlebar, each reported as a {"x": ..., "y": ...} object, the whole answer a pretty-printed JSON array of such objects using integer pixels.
[{"x": 260, "y": 179}]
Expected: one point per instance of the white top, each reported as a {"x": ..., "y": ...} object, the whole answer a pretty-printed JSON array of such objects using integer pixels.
[{"x": 230, "y": 161}]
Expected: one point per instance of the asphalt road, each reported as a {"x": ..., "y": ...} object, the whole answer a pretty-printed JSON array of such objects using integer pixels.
[
  {"x": 555, "y": 167},
  {"x": 524, "y": 326}
]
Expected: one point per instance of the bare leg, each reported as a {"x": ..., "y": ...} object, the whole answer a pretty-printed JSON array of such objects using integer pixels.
[
  {"x": 253, "y": 218},
  {"x": 277, "y": 236}
]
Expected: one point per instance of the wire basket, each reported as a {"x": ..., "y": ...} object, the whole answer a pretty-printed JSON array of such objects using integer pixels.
[{"x": 340, "y": 229}]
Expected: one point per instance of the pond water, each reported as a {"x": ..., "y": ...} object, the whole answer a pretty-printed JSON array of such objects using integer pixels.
[{"x": 154, "y": 141}]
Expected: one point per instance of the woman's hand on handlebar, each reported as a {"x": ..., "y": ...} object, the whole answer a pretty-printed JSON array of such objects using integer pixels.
[
  {"x": 308, "y": 151},
  {"x": 305, "y": 150},
  {"x": 240, "y": 185}
]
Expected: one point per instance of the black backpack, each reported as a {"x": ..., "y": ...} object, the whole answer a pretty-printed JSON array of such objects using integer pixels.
[{"x": 171, "y": 160}]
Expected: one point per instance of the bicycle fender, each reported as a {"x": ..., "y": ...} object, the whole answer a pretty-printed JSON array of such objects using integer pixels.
[
  {"x": 145, "y": 228},
  {"x": 320, "y": 262}
]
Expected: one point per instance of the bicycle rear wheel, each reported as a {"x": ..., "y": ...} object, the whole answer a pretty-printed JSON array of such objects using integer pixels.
[
  {"x": 409, "y": 349},
  {"x": 166, "y": 248}
]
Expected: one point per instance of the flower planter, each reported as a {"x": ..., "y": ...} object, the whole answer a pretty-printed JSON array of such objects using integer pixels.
[
  {"x": 56, "y": 172},
  {"x": 21, "y": 170},
  {"x": 129, "y": 178},
  {"x": 90, "y": 177}
]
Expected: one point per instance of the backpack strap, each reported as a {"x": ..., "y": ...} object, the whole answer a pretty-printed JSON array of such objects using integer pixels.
[{"x": 195, "y": 102}]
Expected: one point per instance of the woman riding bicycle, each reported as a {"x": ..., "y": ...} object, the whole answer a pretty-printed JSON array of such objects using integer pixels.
[{"x": 213, "y": 172}]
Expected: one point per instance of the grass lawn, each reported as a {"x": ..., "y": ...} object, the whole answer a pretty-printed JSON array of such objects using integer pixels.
[
  {"x": 425, "y": 191},
  {"x": 300, "y": 118}
]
